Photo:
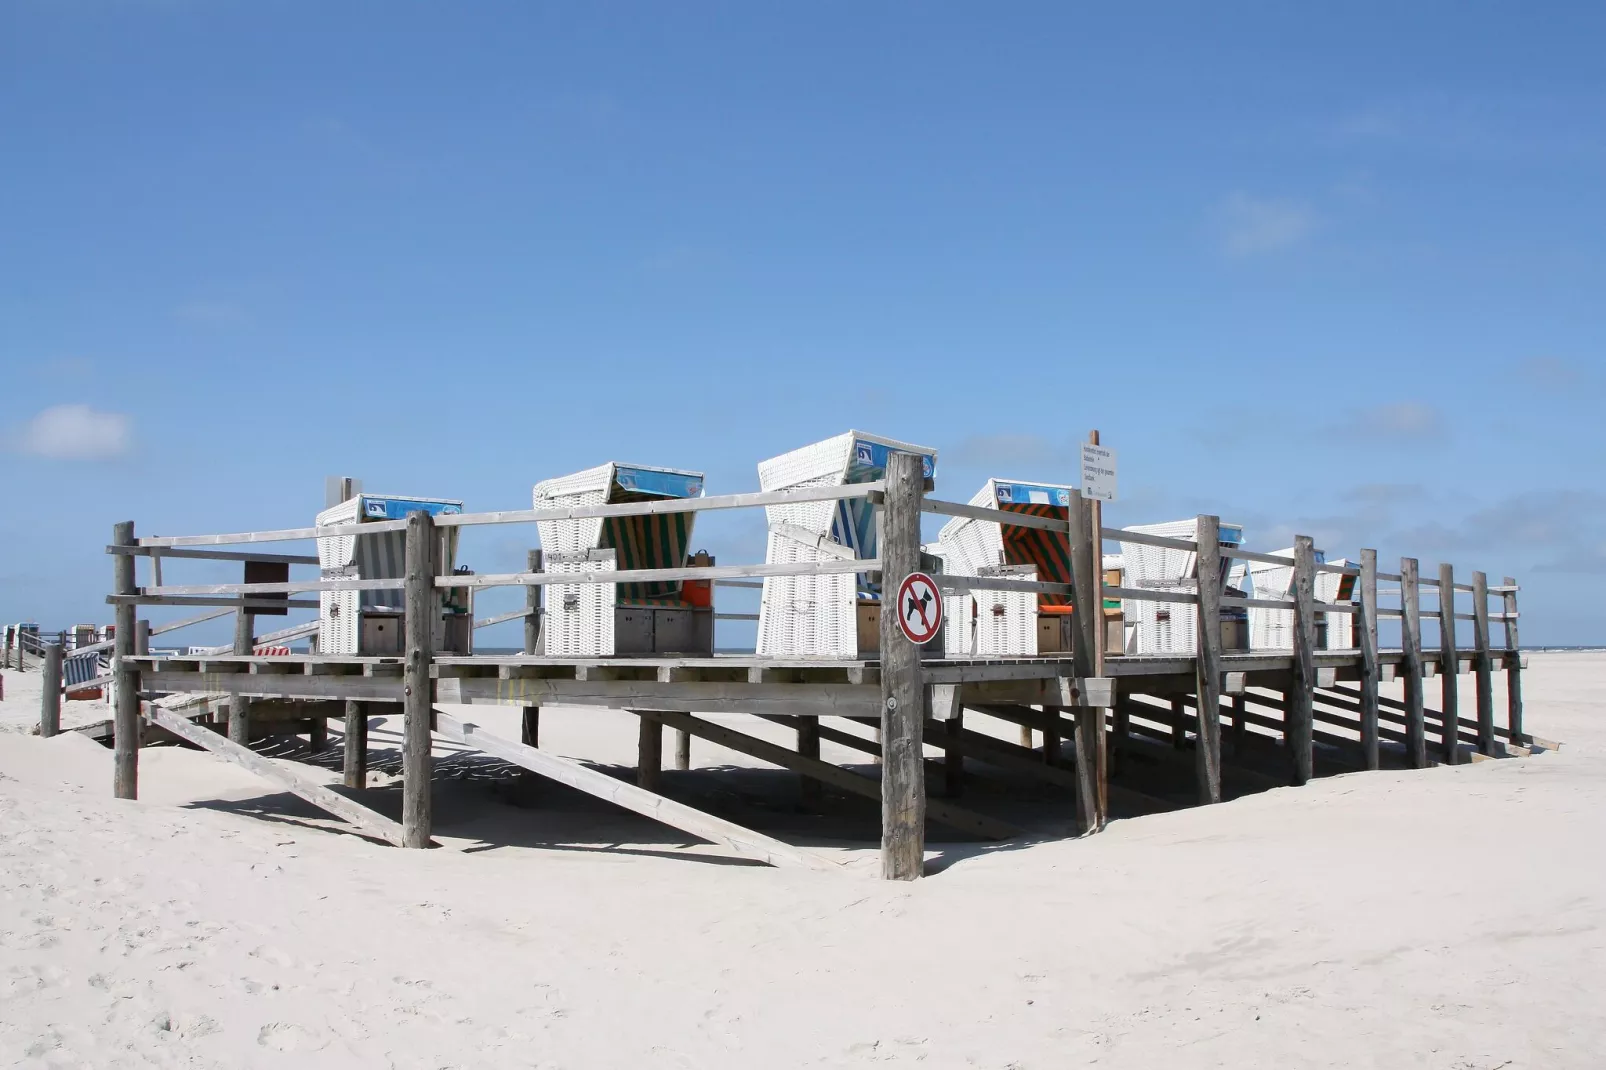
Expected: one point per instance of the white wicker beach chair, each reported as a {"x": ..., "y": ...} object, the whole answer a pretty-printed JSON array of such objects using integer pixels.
[
  {"x": 607, "y": 619},
  {"x": 1273, "y": 629},
  {"x": 1168, "y": 627},
  {"x": 370, "y": 623},
  {"x": 1005, "y": 623},
  {"x": 835, "y": 616}
]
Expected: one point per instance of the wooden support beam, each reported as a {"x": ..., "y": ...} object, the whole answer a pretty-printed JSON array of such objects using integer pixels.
[
  {"x": 1301, "y": 709},
  {"x": 418, "y": 700},
  {"x": 50, "y": 692},
  {"x": 1482, "y": 664},
  {"x": 1240, "y": 728},
  {"x": 240, "y": 705},
  {"x": 1366, "y": 636},
  {"x": 1087, "y": 615},
  {"x": 903, "y": 698},
  {"x": 808, "y": 746},
  {"x": 530, "y": 716},
  {"x": 354, "y": 756},
  {"x": 649, "y": 754},
  {"x": 938, "y": 810},
  {"x": 284, "y": 775},
  {"x": 948, "y": 713},
  {"x": 317, "y": 733},
  {"x": 741, "y": 841},
  {"x": 125, "y": 686},
  {"x": 1207, "y": 665},
  {"x": 1416, "y": 745},
  {"x": 1513, "y": 665},
  {"x": 1450, "y": 686}
]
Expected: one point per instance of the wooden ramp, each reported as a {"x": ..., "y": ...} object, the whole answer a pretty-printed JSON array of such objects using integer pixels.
[
  {"x": 742, "y": 841},
  {"x": 364, "y": 819}
]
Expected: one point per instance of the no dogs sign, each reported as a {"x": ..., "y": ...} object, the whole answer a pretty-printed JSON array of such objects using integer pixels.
[{"x": 919, "y": 608}]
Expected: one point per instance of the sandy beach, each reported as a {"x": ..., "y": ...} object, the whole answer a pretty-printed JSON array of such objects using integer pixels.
[{"x": 1449, "y": 918}]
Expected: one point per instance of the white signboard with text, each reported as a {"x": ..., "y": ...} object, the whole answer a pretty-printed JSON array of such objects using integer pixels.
[{"x": 1098, "y": 472}]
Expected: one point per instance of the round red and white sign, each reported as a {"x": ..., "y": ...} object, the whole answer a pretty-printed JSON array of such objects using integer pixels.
[{"x": 919, "y": 608}]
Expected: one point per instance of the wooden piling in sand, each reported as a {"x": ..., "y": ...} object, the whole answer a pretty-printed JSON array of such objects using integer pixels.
[
  {"x": 50, "y": 692},
  {"x": 530, "y": 716},
  {"x": 418, "y": 690},
  {"x": 125, "y": 678},
  {"x": 1301, "y": 710},
  {"x": 1366, "y": 637},
  {"x": 1411, "y": 645},
  {"x": 903, "y": 698},
  {"x": 1449, "y": 668},
  {"x": 1207, "y": 665},
  {"x": 1482, "y": 665},
  {"x": 1513, "y": 664}
]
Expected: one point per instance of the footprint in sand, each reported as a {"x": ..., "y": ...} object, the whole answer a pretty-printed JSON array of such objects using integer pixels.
[{"x": 287, "y": 1036}]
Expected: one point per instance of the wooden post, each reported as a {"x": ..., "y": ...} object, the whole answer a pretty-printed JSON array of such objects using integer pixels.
[
  {"x": 649, "y": 755},
  {"x": 1513, "y": 665},
  {"x": 1449, "y": 669},
  {"x": 422, "y": 607},
  {"x": 50, "y": 692},
  {"x": 903, "y": 699},
  {"x": 808, "y": 746},
  {"x": 354, "y": 759},
  {"x": 1179, "y": 731},
  {"x": 239, "y": 705},
  {"x": 1366, "y": 636},
  {"x": 948, "y": 712},
  {"x": 1100, "y": 758},
  {"x": 1207, "y": 666},
  {"x": 125, "y": 680},
  {"x": 1302, "y": 705},
  {"x": 1416, "y": 745},
  {"x": 1240, "y": 727},
  {"x": 1092, "y": 771},
  {"x": 142, "y": 637},
  {"x": 530, "y": 733},
  {"x": 317, "y": 733},
  {"x": 1481, "y": 663}
]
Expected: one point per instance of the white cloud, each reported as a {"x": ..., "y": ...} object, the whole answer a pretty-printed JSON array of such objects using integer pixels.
[
  {"x": 76, "y": 433},
  {"x": 1405, "y": 419},
  {"x": 1255, "y": 225}
]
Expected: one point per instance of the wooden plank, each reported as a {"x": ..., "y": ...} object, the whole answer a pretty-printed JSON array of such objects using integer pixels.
[
  {"x": 650, "y": 575},
  {"x": 1366, "y": 634},
  {"x": 1301, "y": 710},
  {"x": 1411, "y": 646},
  {"x": 1449, "y": 745},
  {"x": 125, "y": 690},
  {"x": 1208, "y": 662},
  {"x": 839, "y": 700},
  {"x": 746, "y": 500},
  {"x": 286, "y": 777},
  {"x": 938, "y": 810},
  {"x": 372, "y": 527},
  {"x": 1087, "y": 612},
  {"x": 903, "y": 697},
  {"x": 156, "y": 552},
  {"x": 254, "y": 685},
  {"x": 992, "y": 516},
  {"x": 1513, "y": 665},
  {"x": 741, "y": 841},
  {"x": 136, "y": 599},
  {"x": 418, "y": 703},
  {"x": 1145, "y": 539},
  {"x": 1483, "y": 666}
]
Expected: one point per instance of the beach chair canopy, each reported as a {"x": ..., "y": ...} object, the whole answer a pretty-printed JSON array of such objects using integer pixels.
[
  {"x": 656, "y": 540},
  {"x": 975, "y": 544}
]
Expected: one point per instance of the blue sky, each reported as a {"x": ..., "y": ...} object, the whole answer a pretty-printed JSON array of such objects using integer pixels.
[{"x": 1339, "y": 274}]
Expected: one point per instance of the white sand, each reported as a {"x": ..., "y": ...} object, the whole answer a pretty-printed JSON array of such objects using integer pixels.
[{"x": 1446, "y": 918}]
